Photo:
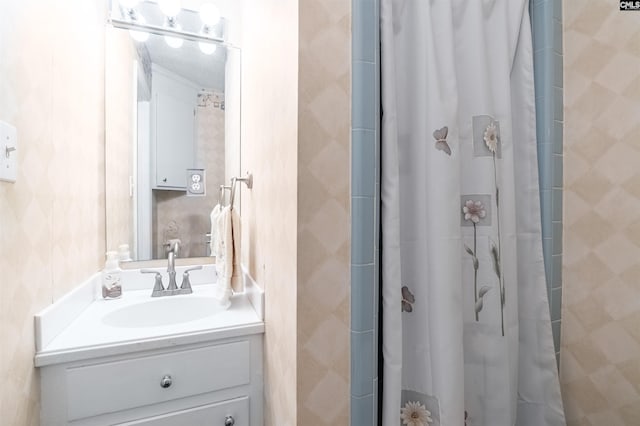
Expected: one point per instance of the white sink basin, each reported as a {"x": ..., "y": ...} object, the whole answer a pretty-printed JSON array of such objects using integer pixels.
[{"x": 169, "y": 310}]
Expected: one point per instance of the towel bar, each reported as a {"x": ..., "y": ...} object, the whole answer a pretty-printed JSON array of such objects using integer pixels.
[
  {"x": 221, "y": 193},
  {"x": 247, "y": 180}
]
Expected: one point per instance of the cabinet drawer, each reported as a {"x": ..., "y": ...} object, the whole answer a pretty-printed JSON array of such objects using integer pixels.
[
  {"x": 116, "y": 386},
  {"x": 206, "y": 415}
]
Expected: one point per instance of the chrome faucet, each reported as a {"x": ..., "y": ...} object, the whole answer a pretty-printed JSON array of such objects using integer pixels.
[{"x": 172, "y": 288}]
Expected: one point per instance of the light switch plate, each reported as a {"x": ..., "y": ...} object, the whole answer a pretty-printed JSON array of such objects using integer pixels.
[
  {"x": 195, "y": 183},
  {"x": 8, "y": 152}
]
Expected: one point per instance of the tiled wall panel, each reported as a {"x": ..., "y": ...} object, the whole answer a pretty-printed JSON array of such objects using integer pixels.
[
  {"x": 365, "y": 200},
  {"x": 546, "y": 19},
  {"x": 600, "y": 358},
  {"x": 269, "y": 210},
  {"x": 52, "y": 219},
  {"x": 324, "y": 241},
  {"x": 296, "y": 141}
]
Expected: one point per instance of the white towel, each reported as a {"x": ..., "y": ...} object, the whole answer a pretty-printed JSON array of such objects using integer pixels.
[
  {"x": 228, "y": 255},
  {"x": 213, "y": 242}
]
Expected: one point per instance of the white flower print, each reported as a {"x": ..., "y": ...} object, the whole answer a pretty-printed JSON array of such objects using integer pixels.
[
  {"x": 415, "y": 414},
  {"x": 474, "y": 211},
  {"x": 491, "y": 137}
]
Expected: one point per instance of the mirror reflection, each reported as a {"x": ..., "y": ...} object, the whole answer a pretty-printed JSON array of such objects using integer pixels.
[{"x": 172, "y": 138}]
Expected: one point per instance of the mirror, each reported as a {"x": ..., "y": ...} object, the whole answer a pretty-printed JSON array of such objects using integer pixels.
[{"x": 172, "y": 111}]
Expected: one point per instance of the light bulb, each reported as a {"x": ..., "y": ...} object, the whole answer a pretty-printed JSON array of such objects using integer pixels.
[
  {"x": 170, "y": 8},
  {"x": 207, "y": 48},
  {"x": 209, "y": 14},
  {"x": 174, "y": 42},
  {"x": 139, "y": 36},
  {"x": 129, "y": 4}
]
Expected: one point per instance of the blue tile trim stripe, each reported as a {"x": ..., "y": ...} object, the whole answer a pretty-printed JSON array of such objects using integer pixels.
[
  {"x": 365, "y": 201},
  {"x": 546, "y": 22}
]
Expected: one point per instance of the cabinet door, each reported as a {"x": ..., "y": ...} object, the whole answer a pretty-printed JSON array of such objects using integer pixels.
[
  {"x": 206, "y": 415},
  {"x": 175, "y": 122}
]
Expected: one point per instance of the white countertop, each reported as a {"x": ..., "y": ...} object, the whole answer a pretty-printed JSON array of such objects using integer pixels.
[{"x": 88, "y": 336}]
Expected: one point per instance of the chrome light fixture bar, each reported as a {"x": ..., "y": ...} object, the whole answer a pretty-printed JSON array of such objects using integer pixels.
[
  {"x": 126, "y": 14},
  {"x": 163, "y": 30}
]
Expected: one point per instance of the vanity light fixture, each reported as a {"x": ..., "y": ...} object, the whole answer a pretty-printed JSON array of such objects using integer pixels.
[
  {"x": 129, "y": 4},
  {"x": 139, "y": 36},
  {"x": 207, "y": 48},
  {"x": 170, "y": 8},
  {"x": 135, "y": 17},
  {"x": 209, "y": 14},
  {"x": 175, "y": 42},
  {"x": 125, "y": 14}
]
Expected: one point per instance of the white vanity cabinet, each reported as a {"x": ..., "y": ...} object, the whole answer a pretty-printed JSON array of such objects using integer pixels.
[
  {"x": 227, "y": 413},
  {"x": 173, "y": 142},
  {"x": 215, "y": 383}
]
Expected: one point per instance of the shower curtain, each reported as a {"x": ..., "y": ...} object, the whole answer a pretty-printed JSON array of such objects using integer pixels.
[{"x": 466, "y": 328}]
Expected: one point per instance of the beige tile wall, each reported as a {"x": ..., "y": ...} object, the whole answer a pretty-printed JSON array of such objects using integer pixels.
[
  {"x": 296, "y": 219},
  {"x": 269, "y": 210},
  {"x": 600, "y": 356},
  {"x": 324, "y": 222},
  {"x": 52, "y": 218}
]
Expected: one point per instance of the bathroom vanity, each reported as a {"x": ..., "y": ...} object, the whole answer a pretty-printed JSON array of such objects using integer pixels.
[{"x": 176, "y": 360}]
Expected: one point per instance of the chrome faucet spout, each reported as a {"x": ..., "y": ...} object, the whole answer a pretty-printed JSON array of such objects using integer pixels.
[
  {"x": 171, "y": 270},
  {"x": 171, "y": 258}
]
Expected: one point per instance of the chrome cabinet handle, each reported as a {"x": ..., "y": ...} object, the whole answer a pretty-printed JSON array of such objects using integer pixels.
[
  {"x": 229, "y": 421},
  {"x": 166, "y": 381}
]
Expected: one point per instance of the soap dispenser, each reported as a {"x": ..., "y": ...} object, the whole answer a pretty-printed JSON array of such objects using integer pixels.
[
  {"x": 111, "y": 276},
  {"x": 124, "y": 255}
]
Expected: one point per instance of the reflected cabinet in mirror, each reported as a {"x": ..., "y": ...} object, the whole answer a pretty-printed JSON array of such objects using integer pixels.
[{"x": 172, "y": 128}]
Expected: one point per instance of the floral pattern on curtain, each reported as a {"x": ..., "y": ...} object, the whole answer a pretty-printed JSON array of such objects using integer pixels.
[{"x": 466, "y": 328}]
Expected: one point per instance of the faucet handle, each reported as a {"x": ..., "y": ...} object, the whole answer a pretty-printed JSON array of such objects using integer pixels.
[
  {"x": 158, "y": 287},
  {"x": 185, "y": 287}
]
